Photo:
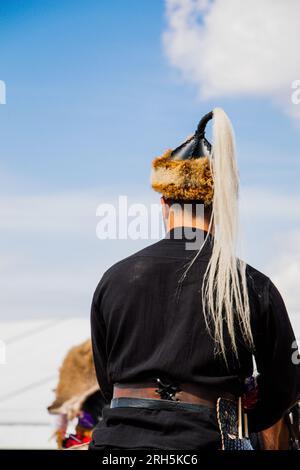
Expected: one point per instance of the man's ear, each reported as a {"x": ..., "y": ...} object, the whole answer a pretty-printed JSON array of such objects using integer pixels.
[{"x": 165, "y": 208}]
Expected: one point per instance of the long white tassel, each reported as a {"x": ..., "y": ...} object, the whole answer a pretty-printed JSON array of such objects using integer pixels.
[{"x": 224, "y": 292}]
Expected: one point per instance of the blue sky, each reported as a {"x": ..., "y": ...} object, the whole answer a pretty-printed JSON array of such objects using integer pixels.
[
  {"x": 91, "y": 98},
  {"x": 90, "y": 93}
]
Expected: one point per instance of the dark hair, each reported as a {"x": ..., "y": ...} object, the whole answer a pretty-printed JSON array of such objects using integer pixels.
[{"x": 192, "y": 204}]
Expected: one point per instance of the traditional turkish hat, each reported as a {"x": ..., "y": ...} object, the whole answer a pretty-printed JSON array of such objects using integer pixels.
[
  {"x": 185, "y": 172},
  {"x": 199, "y": 171},
  {"x": 77, "y": 381}
]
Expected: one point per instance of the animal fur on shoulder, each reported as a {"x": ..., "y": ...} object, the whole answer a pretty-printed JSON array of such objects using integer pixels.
[
  {"x": 184, "y": 180},
  {"x": 77, "y": 381}
]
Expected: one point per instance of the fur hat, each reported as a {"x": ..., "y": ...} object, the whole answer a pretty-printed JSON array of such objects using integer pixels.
[
  {"x": 193, "y": 172},
  {"x": 77, "y": 380},
  {"x": 185, "y": 172}
]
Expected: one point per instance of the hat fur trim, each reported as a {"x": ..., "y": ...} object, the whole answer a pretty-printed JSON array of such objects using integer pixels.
[
  {"x": 184, "y": 180},
  {"x": 77, "y": 379}
]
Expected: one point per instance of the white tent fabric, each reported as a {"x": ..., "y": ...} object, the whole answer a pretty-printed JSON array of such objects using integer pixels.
[{"x": 34, "y": 351}]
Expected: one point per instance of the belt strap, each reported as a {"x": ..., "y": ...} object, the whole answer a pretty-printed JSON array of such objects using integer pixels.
[
  {"x": 124, "y": 402},
  {"x": 184, "y": 393}
]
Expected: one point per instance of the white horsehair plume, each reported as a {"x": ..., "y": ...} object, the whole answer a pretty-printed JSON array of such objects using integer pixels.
[{"x": 224, "y": 291}]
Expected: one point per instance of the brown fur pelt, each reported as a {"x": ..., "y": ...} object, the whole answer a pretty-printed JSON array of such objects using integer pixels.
[
  {"x": 77, "y": 380},
  {"x": 183, "y": 180}
]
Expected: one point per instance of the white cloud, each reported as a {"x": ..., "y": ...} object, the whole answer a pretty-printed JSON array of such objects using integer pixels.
[
  {"x": 267, "y": 204},
  {"x": 50, "y": 257},
  {"x": 286, "y": 269},
  {"x": 51, "y": 260},
  {"x": 234, "y": 47},
  {"x": 43, "y": 242},
  {"x": 44, "y": 213},
  {"x": 271, "y": 224}
]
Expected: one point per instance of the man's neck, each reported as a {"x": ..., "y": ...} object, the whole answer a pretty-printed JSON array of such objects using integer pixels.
[{"x": 195, "y": 224}]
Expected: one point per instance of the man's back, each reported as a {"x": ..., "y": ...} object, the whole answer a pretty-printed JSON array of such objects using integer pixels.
[{"x": 148, "y": 323}]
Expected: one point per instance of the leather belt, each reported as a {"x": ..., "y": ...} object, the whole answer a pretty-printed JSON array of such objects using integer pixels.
[
  {"x": 158, "y": 391},
  {"x": 154, "y": 404}
]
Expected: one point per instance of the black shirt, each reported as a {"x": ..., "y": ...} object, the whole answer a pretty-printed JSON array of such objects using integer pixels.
[{"x": 146, "y": 324}]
